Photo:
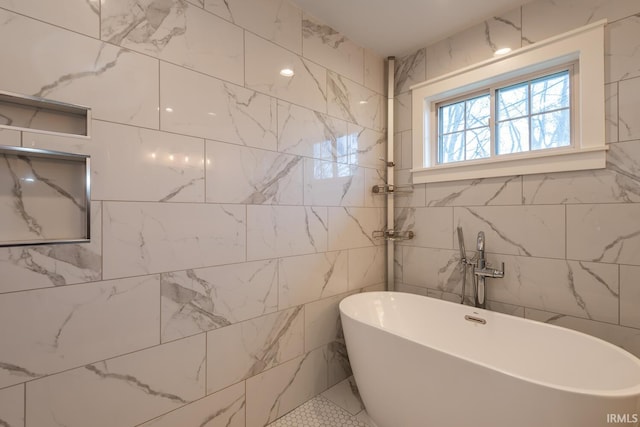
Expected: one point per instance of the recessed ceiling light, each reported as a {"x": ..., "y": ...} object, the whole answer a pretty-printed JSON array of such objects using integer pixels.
[
  {"x": 169, "y": 110},
  {"x": 287, "y": 72},
  {"x": 363, "y": 102},
  {"x": 502, "y": 51}
]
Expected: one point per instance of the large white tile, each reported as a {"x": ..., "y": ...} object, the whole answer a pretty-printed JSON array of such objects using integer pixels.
[
  {"x": 331, "y": 49},
  {"x": 276, "y": 231},
  {"x": 311, "y": 134},
  {"x": 629, "y": 296},
  {"x": 124, "y": 391},
  {"x": 12, "y": 406},
  {"x": 477, "y": 192},
  {"x": 65, "y": 327},
  {"x": 82, "y": 16},
  {"x": 367, "y": 267},
  {"x": 307, "y": 278},
  {"x": 628, "y": 111},
  {"x": 222, "y": 409},
  {"x": 199, "y": 105},
  {"x": 322, "y": 322},
  {"x": 333, "y": 184},
  {"x": 367, "y": 147},
  {"x": 433, "y": 227},
  {"x": 277, "y": 391},
  {"x": 545, "y": 18},
  {"x": 246, "y": 175},
  {"x": 119, "y": 85},
  {"x": 442, "y": 272},
  {"x": 517, "y": 230},
  {"x": 353, "y": 227},
  {"x": 622, "y": 56},
  {"x": 627, "y": 338},
  {"x": 374, "y": 72},
  {"x": 279, "y": 21},
  {"x": 195, "y": 301},
  {"x": 246, "y": 349},
  {"x": 177, "y": 32},
  {"x": 620, "y": 182},
  {"x": 30, "y": 267},
  {"x": 134, "y": 164},
  {"x": 475, "y": 44},
  {"x": 355, "y": 103},
  {"x": 142, "y": 238},
  {"x": 408, "y": 194},
  {"x": 576, "y": 288},
  {"x": 402, "y": 114},
  {"x": 604, "y": 233},
  {"x": 409, "y": 70},
  {"x": 265, "y": 60}
]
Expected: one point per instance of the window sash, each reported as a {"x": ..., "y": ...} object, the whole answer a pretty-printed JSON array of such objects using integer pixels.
[{"x": 492, "y": 91}]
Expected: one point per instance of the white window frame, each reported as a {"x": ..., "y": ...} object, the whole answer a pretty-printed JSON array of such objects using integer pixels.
[{"x": 585, "y": 46}]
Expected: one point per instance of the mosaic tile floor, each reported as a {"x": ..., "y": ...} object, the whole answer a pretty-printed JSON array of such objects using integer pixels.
[
  {"x": 318, "y": 412},
  {"x": 340, "y": 406}
]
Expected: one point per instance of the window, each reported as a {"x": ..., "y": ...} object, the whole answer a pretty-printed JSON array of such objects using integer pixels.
[
  {"x": 538, "y": 109},
  {"x": 534, "y": 114}
]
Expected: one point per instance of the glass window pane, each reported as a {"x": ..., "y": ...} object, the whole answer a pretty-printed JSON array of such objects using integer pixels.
[
  {"x": 550, "y": 93},
  {"x": 513, "y": 136},
  {"x": 452, "y": 118},
  {"x": 452, "y": 147},
  {"x": 550, "y": 130},
  {"x": 478, "y": 143},
  {"x": 478, "y": 111},
  {"x": 512, "y": 102}
]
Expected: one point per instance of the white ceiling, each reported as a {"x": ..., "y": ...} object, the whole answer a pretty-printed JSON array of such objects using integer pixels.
[{"x": 398, "y": 27}]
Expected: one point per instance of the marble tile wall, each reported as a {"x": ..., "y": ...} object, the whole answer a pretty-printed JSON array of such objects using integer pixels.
[
  {"x": 230, "y": 212},
  {"x": 570, "y": 241}
]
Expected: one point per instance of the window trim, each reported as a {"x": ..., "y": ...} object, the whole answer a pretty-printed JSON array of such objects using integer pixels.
[{"x": 584, "y": 46}]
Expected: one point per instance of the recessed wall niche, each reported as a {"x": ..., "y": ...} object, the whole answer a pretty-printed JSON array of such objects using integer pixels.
[
  {"x": 22, "y": 112},
  {"x": 44, "y": 197}
]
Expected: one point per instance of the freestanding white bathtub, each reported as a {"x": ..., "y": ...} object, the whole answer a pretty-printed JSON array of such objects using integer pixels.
[{"x": 419, "y": 362}]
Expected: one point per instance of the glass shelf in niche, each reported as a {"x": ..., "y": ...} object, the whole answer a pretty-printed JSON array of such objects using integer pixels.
[
  {"x": 33, "y": 114},
  {"x": 44, "y": 197}
]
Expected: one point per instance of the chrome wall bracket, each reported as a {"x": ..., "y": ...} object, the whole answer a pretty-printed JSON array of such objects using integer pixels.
[
  {"x": 393, "y": 235},
  {"x": 389, "y": 188}
]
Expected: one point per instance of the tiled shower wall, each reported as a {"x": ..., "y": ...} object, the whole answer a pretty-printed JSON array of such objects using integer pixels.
[
  {"x": 570, "y": 241},
  {"x": 230, "y": 212}
]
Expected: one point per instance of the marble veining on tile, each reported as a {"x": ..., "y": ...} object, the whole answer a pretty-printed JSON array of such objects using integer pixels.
[
  {"x": 409, "y": 70},
  {"x": 76, "y": 325},
  {"x": 82, "y": 16},
  {"x": 138, "y": 387},
  {"x": 278, "y": 21},
  {"x": 118, "y": 84},
  {"x": 33, "y": 267},
  {"x": 354, "y": 103},
  {"x": 177, "y": 32},
  {"x": 222, "y": 409},
  {"x": 200, "y": 300},
  {"x": 246, "y": 349},
  {"x": 143, "y": 238},
  {"x": 42, "y": 199},
  {"x": 324, "y": 45},
  {"x": 250, "y": 176}
]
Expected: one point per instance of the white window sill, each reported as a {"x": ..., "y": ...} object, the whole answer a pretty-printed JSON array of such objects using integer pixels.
[{"x": 528, "y": 163}]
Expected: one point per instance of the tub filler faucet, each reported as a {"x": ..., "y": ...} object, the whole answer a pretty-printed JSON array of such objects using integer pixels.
[{"x": 481, "y": 270}]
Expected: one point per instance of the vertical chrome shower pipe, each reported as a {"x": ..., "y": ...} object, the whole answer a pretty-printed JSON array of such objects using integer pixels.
[{"x": 391, "y": 71}]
